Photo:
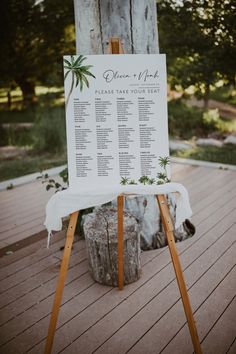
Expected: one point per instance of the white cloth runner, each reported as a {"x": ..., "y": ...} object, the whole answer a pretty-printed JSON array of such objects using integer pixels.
[{"x": 63, "y": 203}]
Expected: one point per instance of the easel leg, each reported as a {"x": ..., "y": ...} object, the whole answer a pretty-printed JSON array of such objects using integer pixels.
[
  {"x": 168, "y": 226},
  {"x": 120, "y": 206},
  {"x": 61, "y": 281}
]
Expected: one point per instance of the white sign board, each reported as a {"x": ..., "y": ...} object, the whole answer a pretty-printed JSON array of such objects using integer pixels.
[{"x": 116, "y": 118}]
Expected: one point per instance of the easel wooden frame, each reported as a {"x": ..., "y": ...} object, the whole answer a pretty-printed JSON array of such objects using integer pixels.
[{"x": 115, "y": 47}]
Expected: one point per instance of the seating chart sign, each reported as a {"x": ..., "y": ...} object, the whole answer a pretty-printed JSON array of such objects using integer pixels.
[{"x": 116, "y": 118}]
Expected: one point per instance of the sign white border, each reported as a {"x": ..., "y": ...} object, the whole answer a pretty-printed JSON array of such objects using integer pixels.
[{"x": 116, "y": 118}]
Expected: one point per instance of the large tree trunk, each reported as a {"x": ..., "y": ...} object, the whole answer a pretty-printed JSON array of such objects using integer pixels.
[
  {"x": 206, "y": 96},
  {"x": 135, "y": 22},
  {"x": 28, "y": 91}
]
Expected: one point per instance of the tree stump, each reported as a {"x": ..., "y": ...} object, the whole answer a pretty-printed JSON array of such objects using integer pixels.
[{"x": 100, "y": 230}]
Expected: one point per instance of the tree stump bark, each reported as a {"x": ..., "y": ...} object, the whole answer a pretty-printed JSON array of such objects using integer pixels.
[{"x": 100, "y": 230}]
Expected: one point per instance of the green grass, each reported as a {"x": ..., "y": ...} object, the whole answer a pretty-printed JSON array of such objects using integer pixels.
[
  {"x": 41, "y": 91},
  {"x": 29, "y": 164},
  {"x": 18, "y": 116},
  {"x": 47, "y": 133},
  {"x": 226, "y": 154},
  {"x": 46, "y": 98},
  {"x": 16, "y": 136}
]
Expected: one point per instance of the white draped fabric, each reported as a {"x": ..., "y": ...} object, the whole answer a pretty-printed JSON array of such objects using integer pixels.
[{"x": 63, "y": 203}]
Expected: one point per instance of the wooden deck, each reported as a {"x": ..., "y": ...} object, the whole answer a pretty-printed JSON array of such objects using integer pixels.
[
  {"x": 22, "y": 214},
  {"x": 147, "y": 316}
]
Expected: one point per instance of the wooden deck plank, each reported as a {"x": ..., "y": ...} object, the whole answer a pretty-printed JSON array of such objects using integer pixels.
[
  {"x": 11, "y": 329},
  {"x": 200, "y": 179},
  {"x": 9, "y": 230},
  {"x": 214, "y": 306},
  {"x": 33, "y": 282},
  {"x": 206, "y": 180},
  {"x": 202, "y": 183},
  {"x": 25, "y": 190},
  {"x": 39, "y": 294},
  {"x": 29, "y": 233},
  {"x": 23, "y": 228},
  {"x": 222, "y": 200},
  {"x": 14, "y": 207},
  {"x": 3, "y": 244},
  {"x": 26, "y": 208},
  {"x": 176, "y": 167},
  {"x": 210, "y": 198},
  {"x": 11, "y": 194},
  {"x": 232, "y": 348},
  {"x": 34, "y": 254},
  {"x": 28, "y": 250},
  {"x": 179, "y": 171},
  {"x": 200, "y": 191},
  {"x": 223, "y": 333},
  {"x": 217, "y": 215},
  {"x": 38, "y": 266},
  {"x": 22, "y": 213},
  {"x": 194, "y": 174}
]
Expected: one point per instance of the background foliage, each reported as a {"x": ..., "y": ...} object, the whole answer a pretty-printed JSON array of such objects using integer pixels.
[
  {"x": 34, "y": 36},
  {"x": 199, "y": 38}
]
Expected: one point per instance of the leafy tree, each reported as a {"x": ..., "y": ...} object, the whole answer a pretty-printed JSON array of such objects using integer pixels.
[
  {"x": 199, "y": 39},
  {"x": 34, "y": 36}
]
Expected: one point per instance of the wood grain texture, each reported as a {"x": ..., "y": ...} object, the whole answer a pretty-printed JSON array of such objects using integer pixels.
[
  {"x": 112, "y": 248},
  {"x": 168, "y": 227},
  {"x": 116, "y": 22},
  {"x": 61, "y": 282},
  {"x": 87, "y": 27},
  {"x": 134, "y": 22},
  {"x": 144, "y": 27},
  {"x": 120, "y": 235}
]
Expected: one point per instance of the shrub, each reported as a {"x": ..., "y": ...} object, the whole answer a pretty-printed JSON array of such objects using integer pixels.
[
  {"x": 186, "y": 122},
  {"x": 211, "y": 118},
  {"x": 16, "y": 135}
]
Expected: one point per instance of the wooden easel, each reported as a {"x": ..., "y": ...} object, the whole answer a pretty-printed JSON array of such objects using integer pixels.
[{"x": 115, "y": 47}]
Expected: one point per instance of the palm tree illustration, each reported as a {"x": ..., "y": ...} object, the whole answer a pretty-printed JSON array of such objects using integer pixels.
[
  {"x": 124, "y": 180},
  {"x": 79, "y": 73}
]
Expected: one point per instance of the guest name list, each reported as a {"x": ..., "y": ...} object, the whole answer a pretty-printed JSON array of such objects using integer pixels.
[{"x": 116, "y": 127}]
